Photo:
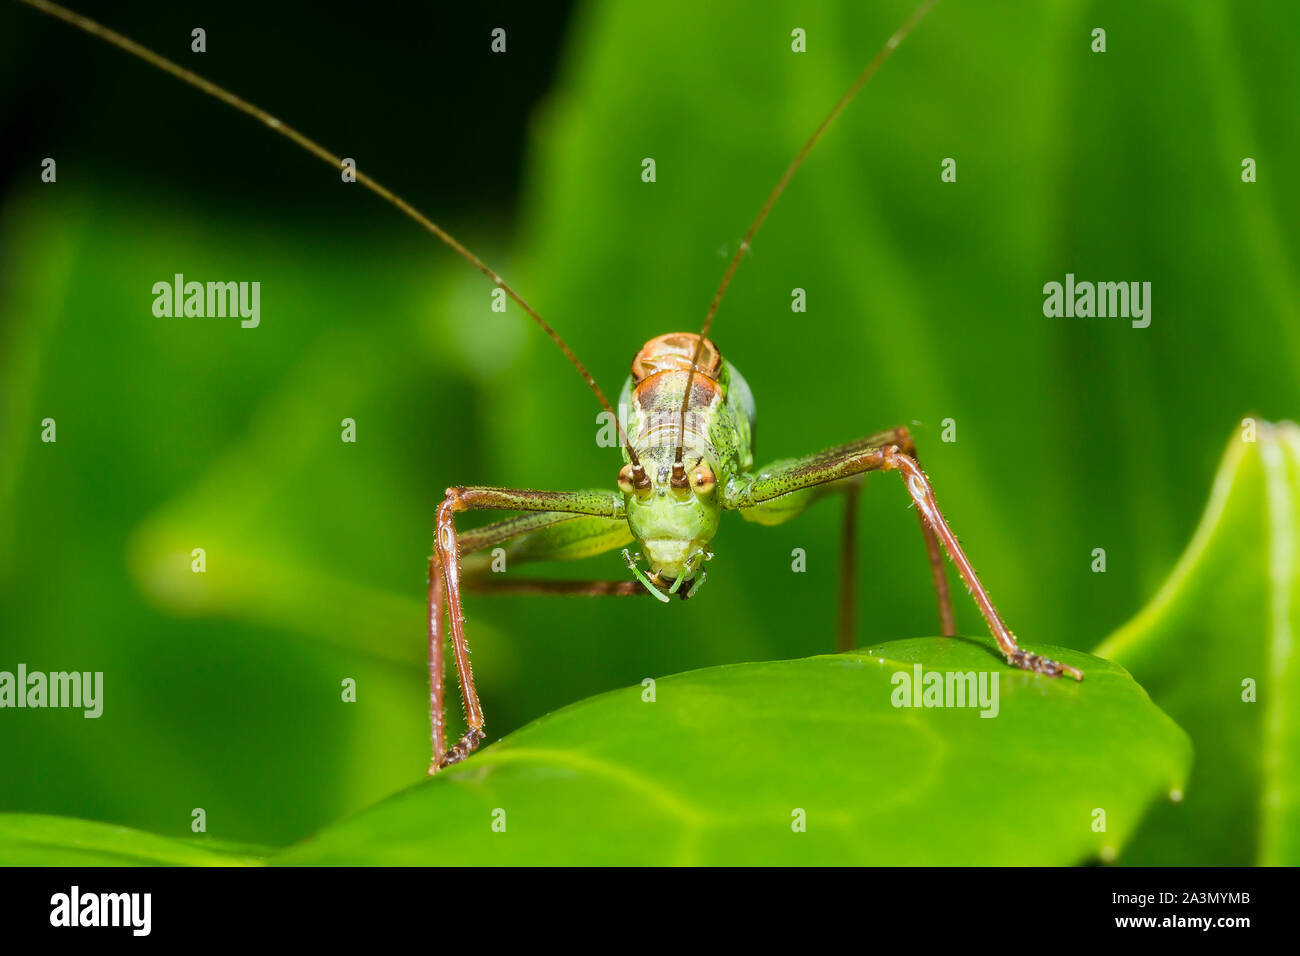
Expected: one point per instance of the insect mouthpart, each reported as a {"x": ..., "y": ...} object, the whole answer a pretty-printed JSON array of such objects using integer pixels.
[{"x": 656, "y": 580}]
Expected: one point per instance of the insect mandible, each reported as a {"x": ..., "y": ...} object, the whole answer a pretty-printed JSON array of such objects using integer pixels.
[{"x": 687, "y": 449}]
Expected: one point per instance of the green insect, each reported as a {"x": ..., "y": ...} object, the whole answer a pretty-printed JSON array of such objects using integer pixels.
[{"x": 687, "y": 447}]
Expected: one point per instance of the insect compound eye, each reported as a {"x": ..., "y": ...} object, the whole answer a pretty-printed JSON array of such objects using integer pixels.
[
  {"x": 633, "y": 478},
  {"x": 625, "y": 479},
  {"x": 702, "y": 480}
]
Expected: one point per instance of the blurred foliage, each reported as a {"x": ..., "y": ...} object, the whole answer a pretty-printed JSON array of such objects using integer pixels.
[
  {"x": 30, "y": 840},
  {"x": 1215, "y": 648},
  {"x": 924, "y": 300}
]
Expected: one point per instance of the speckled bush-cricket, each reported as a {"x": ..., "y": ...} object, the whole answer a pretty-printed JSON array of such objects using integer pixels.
[{"x": 688, "y": 456}]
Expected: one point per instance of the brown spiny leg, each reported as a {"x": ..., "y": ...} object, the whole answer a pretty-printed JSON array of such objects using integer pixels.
[
  {"x": 558, "y": 525},
  {"x": 849, "y": 570},
  {"x": 437, "y": 719},
  {"x": 918, "y": 486},
  {"x": 786, "y": 488},
  {"x": 765, "y": 490},
  {"x": 947, "y": 621},
  {"x": 448, "y": 553}
]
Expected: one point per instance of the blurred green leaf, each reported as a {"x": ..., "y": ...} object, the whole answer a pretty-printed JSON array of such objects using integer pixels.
[
  {"x": 718, "y": 767},
  {"x": 31, "y": 840},
  {"x": 243, "y": 719},
  {"x": 1216, "y": 649}
]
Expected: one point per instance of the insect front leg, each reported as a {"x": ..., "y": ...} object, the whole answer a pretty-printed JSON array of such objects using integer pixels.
[
  {"x": 804, "y": 480},
  {"x": 768, "y": 490},
  {"x": 849, "y": 563},
  {"x": 548, "y": 511}
]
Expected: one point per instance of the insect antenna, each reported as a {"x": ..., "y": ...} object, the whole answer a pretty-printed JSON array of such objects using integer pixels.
[
  {"x": 679, "y": 470},
  {"x": 242, "y": 105}
]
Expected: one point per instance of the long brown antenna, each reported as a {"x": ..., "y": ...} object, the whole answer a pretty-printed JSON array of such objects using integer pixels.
[
  {"x": 890, "y": 45},
  {"x": 193, "y": 79}
]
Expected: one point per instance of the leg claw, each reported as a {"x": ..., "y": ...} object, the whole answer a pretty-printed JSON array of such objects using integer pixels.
[
  {"x": 464, "y": 747},
  {"x": 1042, "y": 665}
]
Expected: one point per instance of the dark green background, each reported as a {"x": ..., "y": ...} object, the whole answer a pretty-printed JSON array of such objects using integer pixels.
[{"x": 925, "y": 302}]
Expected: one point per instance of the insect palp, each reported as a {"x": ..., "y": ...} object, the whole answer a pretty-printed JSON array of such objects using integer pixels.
[
  {"x": 696, "y": 586},
  {"x": 641, "y": 576},
  {"x": 688, "y": 571}
]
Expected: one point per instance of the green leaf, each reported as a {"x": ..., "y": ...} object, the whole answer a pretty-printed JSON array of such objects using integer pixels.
[
  {"x": 724, "y": 761},
  {"x": 31, "y": 840},
  {"x": 1215, "y": 648}
]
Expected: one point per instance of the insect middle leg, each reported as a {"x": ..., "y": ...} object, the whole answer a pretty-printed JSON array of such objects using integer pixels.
[
  {"x": 556, "y": 526},
  {"x": 771, "y": 494}
]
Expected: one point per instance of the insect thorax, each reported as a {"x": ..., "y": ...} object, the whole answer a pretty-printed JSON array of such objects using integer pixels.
[{"x": 719, "y": 418}]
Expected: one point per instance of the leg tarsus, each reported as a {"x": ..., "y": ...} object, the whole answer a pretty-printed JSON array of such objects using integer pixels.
[
  {"x": 464, "y": 747},
  {"x": 1039, "y": 664}
]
